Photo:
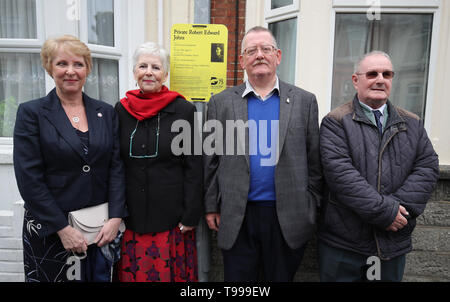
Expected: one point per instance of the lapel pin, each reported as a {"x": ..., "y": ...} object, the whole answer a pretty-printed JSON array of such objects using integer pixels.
[
  {"x": 99, "y": 114},
  {"x": 288, "y": 101}
]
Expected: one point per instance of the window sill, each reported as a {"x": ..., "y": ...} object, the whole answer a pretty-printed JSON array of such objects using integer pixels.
[{"x": 6, "y": 151}]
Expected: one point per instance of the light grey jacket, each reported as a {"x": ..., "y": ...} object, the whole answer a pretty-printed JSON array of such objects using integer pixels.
[{"x": 298, "y": 178}]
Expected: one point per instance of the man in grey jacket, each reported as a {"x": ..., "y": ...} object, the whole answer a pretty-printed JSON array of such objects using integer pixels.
[
  {"x": 380, "y": 169},
  {"x": 263, "y": 177}
]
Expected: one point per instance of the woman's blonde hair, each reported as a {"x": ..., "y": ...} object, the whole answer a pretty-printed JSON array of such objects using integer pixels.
[{"x": 68, "y": 43}]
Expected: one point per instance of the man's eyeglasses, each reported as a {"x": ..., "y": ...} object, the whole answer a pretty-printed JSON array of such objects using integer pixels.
[
  {"x": 372, "y": 74},
  {"x": 157, "y": 143},
  {"x": 266, "y": 49}
]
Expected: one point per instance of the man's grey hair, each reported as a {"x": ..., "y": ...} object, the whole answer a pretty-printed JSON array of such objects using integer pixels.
[
  {"x": 258, "y": 29},
  {"x": 151, "y": 48},
  {"x": 372, "y": 53}
]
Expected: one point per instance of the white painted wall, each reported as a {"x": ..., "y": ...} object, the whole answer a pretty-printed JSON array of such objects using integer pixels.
[{"x": 173, "y": 12}]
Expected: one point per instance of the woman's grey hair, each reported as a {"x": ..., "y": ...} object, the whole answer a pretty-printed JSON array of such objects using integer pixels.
[
  {"x": 372, "y": 53},
  {"x": 151, "y": 48}
]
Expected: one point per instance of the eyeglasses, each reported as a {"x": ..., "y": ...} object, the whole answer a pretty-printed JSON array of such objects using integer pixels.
[
  {"x": 266, "y": 49},
  {"x": 157, "y": 142},
  {"x": 372, "y": 74}
]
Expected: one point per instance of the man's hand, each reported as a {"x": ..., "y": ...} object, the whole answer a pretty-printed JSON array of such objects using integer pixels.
[
  {"x": 400, "y": 220},
  {"x": 213, "y": 220}
]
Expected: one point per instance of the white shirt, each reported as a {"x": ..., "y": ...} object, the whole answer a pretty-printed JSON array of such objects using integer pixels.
[{"x": 249, "y": 89}]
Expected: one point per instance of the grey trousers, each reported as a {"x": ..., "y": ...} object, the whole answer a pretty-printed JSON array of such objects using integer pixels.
[{"x": 338, "y": 265}]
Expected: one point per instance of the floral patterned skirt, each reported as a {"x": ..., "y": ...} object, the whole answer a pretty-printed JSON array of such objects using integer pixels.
[{"x": 158, "y": 257}]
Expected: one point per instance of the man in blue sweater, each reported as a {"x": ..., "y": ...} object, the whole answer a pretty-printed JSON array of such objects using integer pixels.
[{"x": 263, "y": 201}]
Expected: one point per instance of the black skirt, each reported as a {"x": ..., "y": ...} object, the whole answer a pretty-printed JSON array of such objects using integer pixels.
[{"x": 46, "y": 260}]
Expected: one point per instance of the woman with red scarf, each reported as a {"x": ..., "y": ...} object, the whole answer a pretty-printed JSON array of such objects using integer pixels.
[{"x": 164, "y": 188}]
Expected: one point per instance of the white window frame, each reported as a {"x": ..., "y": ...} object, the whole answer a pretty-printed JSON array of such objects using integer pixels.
[
  {"x": 28, "y": 43},
  {"x": 103, "y": 51},
  {"x": 128, "y": 18},
  {"x": 29, "y": 46},
  {"x": 281, "y": 14},
  {"x": 392, "y": 6}
]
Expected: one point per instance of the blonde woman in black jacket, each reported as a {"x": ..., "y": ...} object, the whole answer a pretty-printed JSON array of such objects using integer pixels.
[{"x": 66, "y": 158}]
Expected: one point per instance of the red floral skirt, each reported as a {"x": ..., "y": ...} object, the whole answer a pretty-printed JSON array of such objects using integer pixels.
[{"x": 158, "y": 257}]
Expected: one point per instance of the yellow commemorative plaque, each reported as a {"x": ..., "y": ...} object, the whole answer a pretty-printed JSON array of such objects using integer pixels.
[{"x": 198, "y": 55}]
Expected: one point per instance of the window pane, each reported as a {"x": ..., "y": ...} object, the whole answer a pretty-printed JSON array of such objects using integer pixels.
[
  {"x": 280, "y": 3},
  {"x": 405, "y": 37},
  {"x": 101, "y": 22},
  {"x": 285, "y": 33},
  {"x": 21, "y": 79},
  {"x": 18, "y": 19},
  {"x": 103, "y": 81}
]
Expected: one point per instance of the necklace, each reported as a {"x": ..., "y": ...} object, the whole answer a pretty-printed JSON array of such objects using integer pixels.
[
  {"x": 74, "y": 111},
  {"x": 75, "y": 116}
]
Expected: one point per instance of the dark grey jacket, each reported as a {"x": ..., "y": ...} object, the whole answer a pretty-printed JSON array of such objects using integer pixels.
[
  {"x": 298, "y": 179},
  {"x": 368, "y": 176}
]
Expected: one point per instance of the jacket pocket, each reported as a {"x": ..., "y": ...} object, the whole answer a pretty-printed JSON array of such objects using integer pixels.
[
  {"x": 345, "y": 224},
  {"x": 405, "y": 232}
]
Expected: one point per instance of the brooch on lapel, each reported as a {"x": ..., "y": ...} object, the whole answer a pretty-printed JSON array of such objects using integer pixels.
[{"x": 99, "y": 114}]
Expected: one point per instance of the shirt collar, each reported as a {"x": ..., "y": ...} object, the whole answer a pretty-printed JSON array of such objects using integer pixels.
[
  {"x": 249, "y": 89},
  {"x": 368, "y": 108}
]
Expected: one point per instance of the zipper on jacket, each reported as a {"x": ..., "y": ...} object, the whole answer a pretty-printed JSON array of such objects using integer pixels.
[
  {"x": 380, "y": 155},
  {"x": 379, "y": 191}
]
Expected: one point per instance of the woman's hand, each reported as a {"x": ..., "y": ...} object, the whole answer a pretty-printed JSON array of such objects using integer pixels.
[
  {"x": 184, "y": 228},
  {"x": 72, "y": 240},
  {"x": 109, "y": 232}
]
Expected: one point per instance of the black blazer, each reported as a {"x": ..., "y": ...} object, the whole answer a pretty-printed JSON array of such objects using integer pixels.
[
  {"x": 167, "y": 189},
  {"x": 53, "y": 174}
]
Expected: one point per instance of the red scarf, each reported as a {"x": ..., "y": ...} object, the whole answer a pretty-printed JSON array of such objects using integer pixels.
[{"x": 145, "y": 105}]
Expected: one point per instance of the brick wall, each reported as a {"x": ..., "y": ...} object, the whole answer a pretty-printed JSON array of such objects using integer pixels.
[
  {"x": 428, "y": 261},
  {"x": 224, "y": 12},
  {"x": 430, "y": 258}
]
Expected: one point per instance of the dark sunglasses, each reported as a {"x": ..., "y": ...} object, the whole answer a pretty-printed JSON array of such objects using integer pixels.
[{"x": 372, "y": 74}]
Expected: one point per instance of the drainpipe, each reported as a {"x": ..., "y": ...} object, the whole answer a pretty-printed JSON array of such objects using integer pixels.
[
  {"x": 236, "y": 40},
  {"x": 160, "y": 22},
  {"x": 202, "y": 15}
]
